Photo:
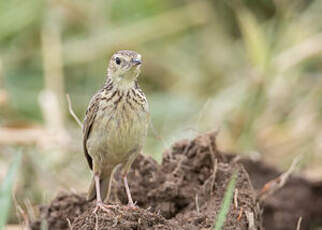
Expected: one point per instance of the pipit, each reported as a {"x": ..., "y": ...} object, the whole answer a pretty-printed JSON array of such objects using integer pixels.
[{"x": 115, "y": 125}]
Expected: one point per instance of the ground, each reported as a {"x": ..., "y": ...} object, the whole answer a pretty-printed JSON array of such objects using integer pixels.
[{"x": 186, "y": 192}]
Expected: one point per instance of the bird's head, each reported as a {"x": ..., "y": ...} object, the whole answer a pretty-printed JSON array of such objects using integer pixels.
[{"x": 124, "y": 66}]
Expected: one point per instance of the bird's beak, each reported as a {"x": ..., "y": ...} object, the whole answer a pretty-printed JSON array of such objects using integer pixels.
[{"x": 136, "y": 61}]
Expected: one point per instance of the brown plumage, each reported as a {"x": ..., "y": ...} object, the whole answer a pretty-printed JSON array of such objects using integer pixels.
[{"x": 115, "y": 124}]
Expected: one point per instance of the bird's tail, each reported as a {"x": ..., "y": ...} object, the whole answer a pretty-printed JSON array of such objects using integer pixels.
[{"x": 105, "y": 182}]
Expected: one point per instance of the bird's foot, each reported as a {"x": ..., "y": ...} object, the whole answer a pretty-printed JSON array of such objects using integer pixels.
[
  {"x": 131, "y": 205},
  {"x": 101, "y": 205}
]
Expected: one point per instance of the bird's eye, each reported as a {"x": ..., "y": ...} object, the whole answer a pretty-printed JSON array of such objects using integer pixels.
[{"x": 118, "y": 60}]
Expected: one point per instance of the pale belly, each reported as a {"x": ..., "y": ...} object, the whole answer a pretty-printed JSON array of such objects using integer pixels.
[{"x": 116, "y": 135}]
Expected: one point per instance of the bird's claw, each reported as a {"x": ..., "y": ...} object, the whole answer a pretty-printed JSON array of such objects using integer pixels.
[
  {"x": 132, "y": 205},
  {"x": 101, "y": 205}
]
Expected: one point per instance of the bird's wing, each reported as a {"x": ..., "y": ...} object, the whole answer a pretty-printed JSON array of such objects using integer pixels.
[{"x": 88, "y": 122}]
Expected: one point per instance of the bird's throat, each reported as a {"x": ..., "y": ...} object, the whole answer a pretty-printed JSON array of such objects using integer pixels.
[{"x": 124, "y": 83}]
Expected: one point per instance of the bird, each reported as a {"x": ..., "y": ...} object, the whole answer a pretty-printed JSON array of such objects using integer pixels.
[{"x": 115, "y": 126}]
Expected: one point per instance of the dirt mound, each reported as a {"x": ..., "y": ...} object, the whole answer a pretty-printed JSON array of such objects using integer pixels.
[
  {"x": 64, "y": 208},
  {"x": 297, "y": 198},
  {"x": 185, "y": 192},
  {"x": 121, "y": 217},
  {"x": 189, "y": 186}
]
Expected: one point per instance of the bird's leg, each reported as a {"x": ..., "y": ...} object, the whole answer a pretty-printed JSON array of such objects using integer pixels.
[
  {"x": 128, "y": 193},
  {"x": 99, "y": 202},
  {"x": 98, "y": 191},
  {"x": 125, "y": 171}
]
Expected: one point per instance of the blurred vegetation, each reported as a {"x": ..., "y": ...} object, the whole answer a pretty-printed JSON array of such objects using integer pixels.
[
  {"x": 250, "y": 69},
  {"x": 6, "y": 190}
]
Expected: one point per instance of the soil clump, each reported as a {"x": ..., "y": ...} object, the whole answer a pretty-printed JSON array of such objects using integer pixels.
[{"x": 186, "y": 192}]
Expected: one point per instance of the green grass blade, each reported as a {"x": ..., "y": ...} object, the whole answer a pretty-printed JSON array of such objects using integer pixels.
[
  {"x": 257, "y": 46},
  {"x": 226, "y": 202},
  {"x": 6, "y": 188}
]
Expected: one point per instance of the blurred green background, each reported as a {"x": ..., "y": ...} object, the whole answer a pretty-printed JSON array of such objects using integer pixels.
[{"x": 249, "y": 69}]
